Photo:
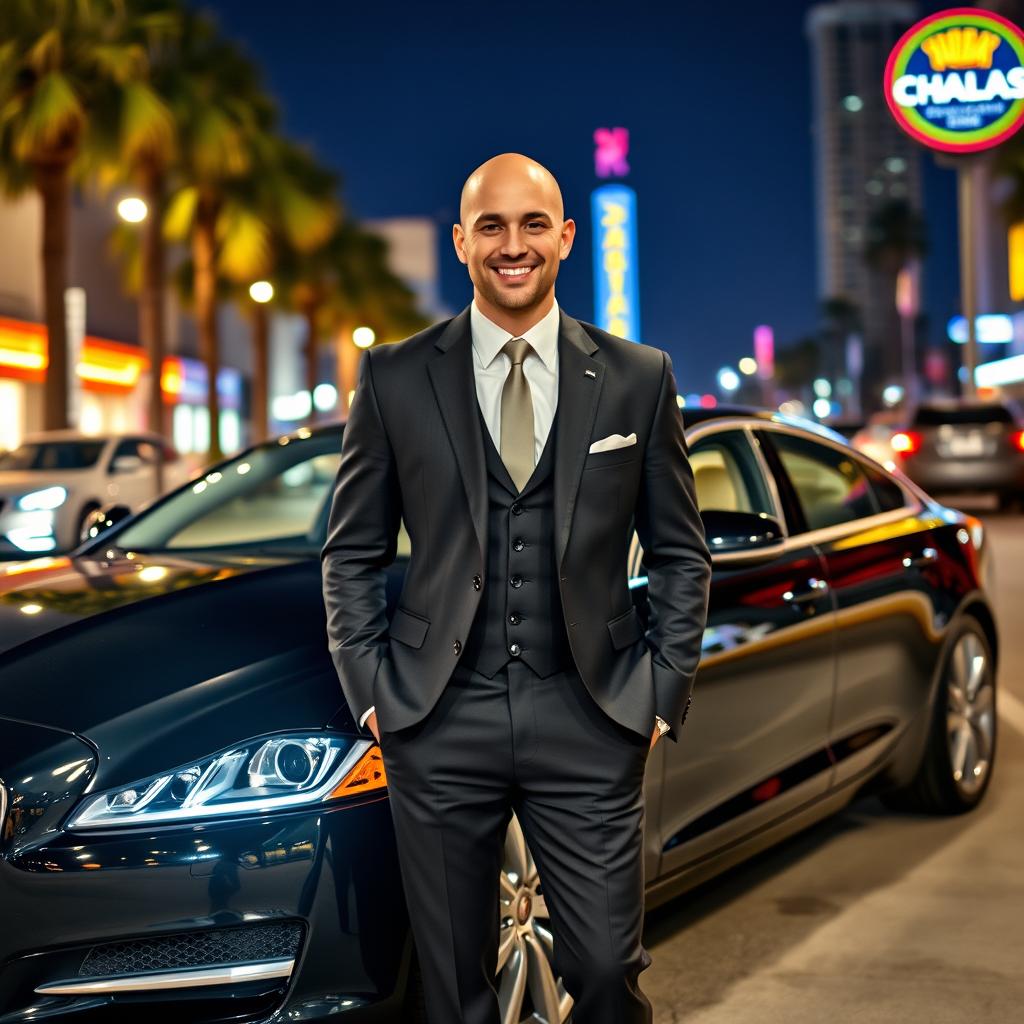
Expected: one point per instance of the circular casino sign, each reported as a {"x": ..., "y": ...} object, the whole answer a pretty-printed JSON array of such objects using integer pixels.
[{"x": 955, "y": 81}]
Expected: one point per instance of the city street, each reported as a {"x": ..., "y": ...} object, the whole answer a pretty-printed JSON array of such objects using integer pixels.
[{"x": 870, "y": 916}]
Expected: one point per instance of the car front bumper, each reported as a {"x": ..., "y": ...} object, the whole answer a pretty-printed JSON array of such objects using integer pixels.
[{"x": 295, "y": 913}]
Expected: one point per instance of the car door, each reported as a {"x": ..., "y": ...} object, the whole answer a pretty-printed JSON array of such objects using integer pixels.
[
  {"x": 881, "y": 559},
  {"x": 753, "y": 746}
]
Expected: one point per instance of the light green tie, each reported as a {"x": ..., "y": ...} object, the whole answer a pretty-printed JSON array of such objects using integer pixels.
[{"x": 517, "y": 445}]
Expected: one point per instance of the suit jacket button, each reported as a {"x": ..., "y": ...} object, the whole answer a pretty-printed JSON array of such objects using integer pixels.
[
  {"x": 514, "y": 649},
  {"x": 456, "y": 647},
  {"x": 516, "y": 508},
  {"x": 516, "y": 581},
  {"x": 476, "y": 582},
  {"x": 518, "y": 544}
]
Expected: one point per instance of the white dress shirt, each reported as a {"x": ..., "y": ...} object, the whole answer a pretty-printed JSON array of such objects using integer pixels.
[{"x": 491, "y": 367}]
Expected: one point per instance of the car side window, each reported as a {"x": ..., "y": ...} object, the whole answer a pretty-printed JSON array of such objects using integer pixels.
[
  {"x": 727, "y": 474},
  {"x": 888, "y": 493},
  {"x": 830, "y": 484}
]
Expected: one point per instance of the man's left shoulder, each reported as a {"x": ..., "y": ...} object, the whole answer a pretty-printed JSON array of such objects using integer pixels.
[{"x": 622, "y": 352}]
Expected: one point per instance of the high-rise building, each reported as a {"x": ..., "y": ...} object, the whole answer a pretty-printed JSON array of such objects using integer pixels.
[{"x": 863, "y": 161}]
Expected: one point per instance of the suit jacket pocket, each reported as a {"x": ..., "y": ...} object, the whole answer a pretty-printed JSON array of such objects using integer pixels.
[
  {"x": 408, "y": 627},
  {"x": 625, "y": 629}
]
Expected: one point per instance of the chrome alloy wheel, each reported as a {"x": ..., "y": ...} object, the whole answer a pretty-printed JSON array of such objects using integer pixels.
[
  {"x": 970, "y": 718},
  {"x": 526, "y": 942}
]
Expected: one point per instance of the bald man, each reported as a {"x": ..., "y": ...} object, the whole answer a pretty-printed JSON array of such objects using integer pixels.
[{"x": 521, "y": 447}]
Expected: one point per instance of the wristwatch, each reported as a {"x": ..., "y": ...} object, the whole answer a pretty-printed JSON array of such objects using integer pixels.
[{"x": 663, "y": 726}]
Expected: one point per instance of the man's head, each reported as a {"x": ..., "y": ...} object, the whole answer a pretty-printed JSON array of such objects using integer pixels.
[{"x": 512, "y": 235}]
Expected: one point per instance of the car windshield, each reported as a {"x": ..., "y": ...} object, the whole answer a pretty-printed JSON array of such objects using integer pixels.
[
  {"x": 937, "y": 415},
  {"x": 44, "y": 455},
  {"x": 272, "y": 500}
]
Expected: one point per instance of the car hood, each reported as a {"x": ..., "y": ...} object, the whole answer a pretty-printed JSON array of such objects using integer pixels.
[
  {"x": 24, "y": 481},
  {"x": 158, "y": 660}
]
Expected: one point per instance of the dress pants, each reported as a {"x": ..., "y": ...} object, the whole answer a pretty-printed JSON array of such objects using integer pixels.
[{"x": 574, "y": 777}]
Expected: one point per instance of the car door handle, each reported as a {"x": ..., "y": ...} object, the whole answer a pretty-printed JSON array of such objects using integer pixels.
[
  {"x": 926, "y": 557},
  {"x": 813, "y": 589}
]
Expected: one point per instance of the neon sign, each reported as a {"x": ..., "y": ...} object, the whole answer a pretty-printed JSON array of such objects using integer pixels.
[
  {"x": 613, "y": 212},
  {"x": 955, "y": 80},
  {"x": 611, "y": 152}
]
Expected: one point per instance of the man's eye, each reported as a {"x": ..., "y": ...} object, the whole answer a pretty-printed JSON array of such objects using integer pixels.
[{"x": 536, "y": 224}]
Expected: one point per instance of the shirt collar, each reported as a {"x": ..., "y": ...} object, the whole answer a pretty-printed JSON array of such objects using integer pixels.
[{"x": 489, "y": 339}]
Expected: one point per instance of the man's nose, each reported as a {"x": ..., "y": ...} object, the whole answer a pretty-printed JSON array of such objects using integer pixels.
[{"x": 514, "y": 243}]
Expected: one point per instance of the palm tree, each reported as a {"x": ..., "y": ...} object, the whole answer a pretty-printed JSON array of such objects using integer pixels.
[
  {"x": 60, "y": 60},
  {"x": 341, "y": 285},
  {"x": 220, "y": 109}
]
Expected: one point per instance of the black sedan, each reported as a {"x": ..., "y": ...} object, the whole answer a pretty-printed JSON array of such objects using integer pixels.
[{"x": 192, "y": 823}]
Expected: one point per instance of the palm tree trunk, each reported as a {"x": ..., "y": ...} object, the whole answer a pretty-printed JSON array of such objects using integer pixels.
[
  {"x": 311, "y": 358},
  {"x": 260, "y": 372},
  {"x": 52, "y": 183},
  {"x": 151, "y": 305},
  {"x": 204, "y": 250}
]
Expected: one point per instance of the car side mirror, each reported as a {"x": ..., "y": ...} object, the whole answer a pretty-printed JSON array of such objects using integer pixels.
[
  {"x": 739, "y": 532},
  {"x": 100, "y": 520},
  {"x": 126, "y": 464}
]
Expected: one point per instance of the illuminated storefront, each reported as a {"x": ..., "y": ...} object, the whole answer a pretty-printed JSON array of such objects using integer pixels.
[{"x": 108, "y": 374}]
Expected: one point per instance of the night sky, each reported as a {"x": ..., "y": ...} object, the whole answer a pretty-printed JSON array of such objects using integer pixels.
[{"x": 405, "y": 99}]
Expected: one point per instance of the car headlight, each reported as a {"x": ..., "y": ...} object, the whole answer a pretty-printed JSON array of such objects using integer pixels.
[
  {"x": 45, "y": 500},
  {"x": 266, "y": 774}
]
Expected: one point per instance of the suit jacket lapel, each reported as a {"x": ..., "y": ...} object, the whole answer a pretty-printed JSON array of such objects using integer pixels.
[
  {"x": 451, "y": 375},
  {"x": 578, "y": 394}
]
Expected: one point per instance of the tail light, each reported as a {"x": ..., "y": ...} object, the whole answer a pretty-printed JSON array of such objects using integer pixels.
[
  {"x": 906, "y": 442},
  {"x": 1017, "y": 439}
]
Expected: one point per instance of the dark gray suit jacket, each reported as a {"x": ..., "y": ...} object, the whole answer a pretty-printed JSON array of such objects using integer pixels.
[{"x": 413, "y": 450}]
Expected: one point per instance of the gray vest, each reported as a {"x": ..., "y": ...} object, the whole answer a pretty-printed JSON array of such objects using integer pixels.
[{"x": 520, "y": 610}]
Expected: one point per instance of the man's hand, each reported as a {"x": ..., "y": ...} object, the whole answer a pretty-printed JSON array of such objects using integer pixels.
[{"x": 371, "y": 721}]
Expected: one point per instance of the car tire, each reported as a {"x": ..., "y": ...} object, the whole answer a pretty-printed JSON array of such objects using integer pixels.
[
  {"x": 87, "y": 509},
  {"x": 525, "y": 970},
  {"x": 959, "y": 754}
]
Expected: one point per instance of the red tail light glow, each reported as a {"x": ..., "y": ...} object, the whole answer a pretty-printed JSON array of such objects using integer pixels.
[
  {"x": 906, "y": 442},
  {"x": 1018, "y": 440}
]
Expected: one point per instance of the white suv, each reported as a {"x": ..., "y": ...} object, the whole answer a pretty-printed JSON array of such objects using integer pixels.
[{"x": 53, "y": 480}]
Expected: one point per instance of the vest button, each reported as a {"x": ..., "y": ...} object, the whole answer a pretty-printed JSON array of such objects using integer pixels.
[
  {"x": 514, "y": 619},
  {"x": 457, "y": 647},
  {"x": 516, "y": 508},
  {"x": 476, "y": 582},
  {"x": 516, "y": 581},
  {"x": 514, "y": 649},
  {"x": 518, "y": 544}
]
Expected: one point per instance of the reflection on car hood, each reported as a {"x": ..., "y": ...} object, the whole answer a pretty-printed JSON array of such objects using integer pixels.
[
  {"x": 158, "y": 660},
  {"x": 48, "y": 594}
]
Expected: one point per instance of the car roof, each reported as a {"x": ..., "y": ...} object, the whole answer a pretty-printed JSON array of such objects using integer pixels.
[{"x": 70, "y": 434}]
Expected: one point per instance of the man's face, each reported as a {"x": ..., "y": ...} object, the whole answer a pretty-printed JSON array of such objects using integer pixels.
[{"x": 512, "y": 238}]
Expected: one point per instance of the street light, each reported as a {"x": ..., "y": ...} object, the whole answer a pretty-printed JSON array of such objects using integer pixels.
[
  {"x": 363, "y": 337},
  {"x": 748, "y": 366},
  {"x": 728, "y": 379},
  {"x": 261, "y": 292},
  {"x": 132, "y": 209}
]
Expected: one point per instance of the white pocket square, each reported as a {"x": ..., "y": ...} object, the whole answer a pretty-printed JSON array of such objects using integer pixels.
[{"x": 612, "y": 441}]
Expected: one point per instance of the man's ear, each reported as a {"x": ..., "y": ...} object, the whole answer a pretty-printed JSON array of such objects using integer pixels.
[
  {"x": 568, "y": 234},
  {"x": 459, "y": 238}
]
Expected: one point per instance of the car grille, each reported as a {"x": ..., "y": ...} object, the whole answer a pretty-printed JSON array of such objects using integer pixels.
[{"x": 245, "y": 944}]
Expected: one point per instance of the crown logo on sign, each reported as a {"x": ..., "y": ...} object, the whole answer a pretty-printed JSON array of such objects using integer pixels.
[{"x": 961, "y": 48}]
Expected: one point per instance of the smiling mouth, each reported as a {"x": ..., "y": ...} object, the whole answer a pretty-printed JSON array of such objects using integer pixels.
[{"x": 513, "y": 273}]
